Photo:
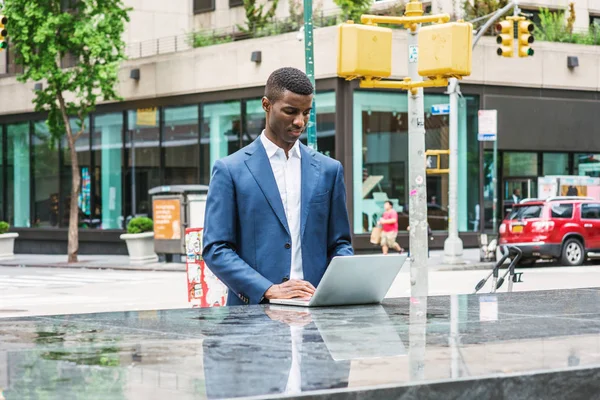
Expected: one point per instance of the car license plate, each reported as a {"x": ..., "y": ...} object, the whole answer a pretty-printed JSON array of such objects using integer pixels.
[{"x": 517, "y": 229}]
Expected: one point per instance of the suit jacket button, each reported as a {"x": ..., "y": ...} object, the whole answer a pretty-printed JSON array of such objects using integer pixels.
[
  {"x": 287, "y": 245},
  {"x": 285, "y": 279}
]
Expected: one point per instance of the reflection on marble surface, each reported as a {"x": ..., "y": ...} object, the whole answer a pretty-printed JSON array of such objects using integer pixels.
[{"x": 279, "y": 350}]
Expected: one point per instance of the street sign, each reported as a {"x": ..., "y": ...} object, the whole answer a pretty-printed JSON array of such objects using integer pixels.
[
  {"x": 413, "y": 53},
  {"x": 432, "y": 162},
  {"x": 440, "y": 109},
  {"x": 486, "y": 137},
  {"x": 488, "y": 125}
]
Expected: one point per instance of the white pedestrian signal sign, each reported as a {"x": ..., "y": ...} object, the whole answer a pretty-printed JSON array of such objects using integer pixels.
[
  {"x": 488, "y": 125},
  {"x": 431, "y": 162}
]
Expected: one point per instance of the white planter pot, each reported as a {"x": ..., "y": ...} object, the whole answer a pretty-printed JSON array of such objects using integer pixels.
[
  {"x": 140, "y": 247},
  {"x": 7, "y": 245}
]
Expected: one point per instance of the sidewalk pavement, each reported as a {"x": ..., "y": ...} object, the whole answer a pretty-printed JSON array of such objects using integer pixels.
[{"x": 114, "y": 262}]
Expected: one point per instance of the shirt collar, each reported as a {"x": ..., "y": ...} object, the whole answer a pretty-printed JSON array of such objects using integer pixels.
[{"x": 272, "y": 148}]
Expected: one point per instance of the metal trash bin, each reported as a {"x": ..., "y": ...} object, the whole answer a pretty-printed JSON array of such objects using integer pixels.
[{"x": 175, "y": 208}]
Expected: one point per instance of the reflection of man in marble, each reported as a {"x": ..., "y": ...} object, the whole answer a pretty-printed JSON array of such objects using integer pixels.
[{"x": 279, "y": 352}]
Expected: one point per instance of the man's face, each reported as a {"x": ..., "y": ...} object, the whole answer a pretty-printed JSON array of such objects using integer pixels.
[
  {"x": 287, "y": 117},
  {"x": 517, "y": 192},
  {"x": 387, "y": 207}
]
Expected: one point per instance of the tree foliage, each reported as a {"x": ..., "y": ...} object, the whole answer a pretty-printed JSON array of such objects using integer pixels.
[
  {"x": 353, "y": 9},
  {"x": 43, "y": 34},
  {"x": 256, "y": 18},
  {"x": 480, "y": 8},
  {"x": 87, "y": 36}
]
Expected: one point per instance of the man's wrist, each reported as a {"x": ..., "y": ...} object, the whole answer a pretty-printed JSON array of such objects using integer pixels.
[{"x": 269, "y": 293}]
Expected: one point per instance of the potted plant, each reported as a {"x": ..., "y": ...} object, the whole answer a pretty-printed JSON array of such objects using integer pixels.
[
  {"x": 140, "y": 241},
  {"x": 7, "y": 242}
]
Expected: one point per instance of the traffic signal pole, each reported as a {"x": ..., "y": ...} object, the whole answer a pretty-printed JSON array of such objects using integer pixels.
[
  {"x": 453, "y": 246},
  {"x": 436, "y": 52},
  {"x": 414, "y": 84},
  {"x": 417, "y": 204}
]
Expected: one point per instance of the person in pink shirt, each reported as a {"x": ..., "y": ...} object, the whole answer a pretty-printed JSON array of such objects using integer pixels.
[{"x": 389, "y": 223}]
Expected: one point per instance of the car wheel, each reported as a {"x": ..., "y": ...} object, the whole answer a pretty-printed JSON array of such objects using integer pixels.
[
  {"x": 527, "y": 262},
  {"x": 572, "y": 252}
]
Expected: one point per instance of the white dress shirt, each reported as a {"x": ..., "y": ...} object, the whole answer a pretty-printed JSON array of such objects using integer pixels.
[
  {"x": 288, "y": 175},
  {"x": 294, "y": 383}
]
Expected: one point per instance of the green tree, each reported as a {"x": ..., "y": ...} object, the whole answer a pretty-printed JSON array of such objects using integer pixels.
[
  {"x": 479, "y": 8},
  {"x": 353, "y": 9},
  {"x": 256, "y": 18},
  {"x": 44, "y": 33}
]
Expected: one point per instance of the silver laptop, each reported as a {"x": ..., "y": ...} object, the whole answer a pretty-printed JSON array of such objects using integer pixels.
[
  {"x": 348, "y": 336},
  {"x": 351, "y": 280}
]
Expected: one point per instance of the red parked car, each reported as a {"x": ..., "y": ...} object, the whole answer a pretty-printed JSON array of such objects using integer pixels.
[{"x": 562, "y": 228}]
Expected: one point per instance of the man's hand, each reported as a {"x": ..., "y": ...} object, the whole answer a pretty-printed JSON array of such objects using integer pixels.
[
  {"x": 291, "y": 318},
  {"x": 290, "y": 289}
]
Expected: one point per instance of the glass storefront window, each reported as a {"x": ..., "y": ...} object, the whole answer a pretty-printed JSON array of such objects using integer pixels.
[
  {"x": 2, "y": 184},
  {"x": 587, "y": 164},
  {"x": 255, "y": 120},
  {"x": 488, "y": 189},
  {"x": 325, "y": 102},
  {"x": 84, "y": 200},
  {"x": 519, "y": 164},
  {"x": 45, "y": 178},
  {"x": 555, "y": 164},
  {"x": 470, "y": 213},
  {"x": 107, "y": 148},
  {"x": 380, "y": 151},
  {"x": 221, "y": 128},
  {"x": 180, "y": 143},
  {"x": 18, "y": 175},
  {"x": 143, "y": 160}
]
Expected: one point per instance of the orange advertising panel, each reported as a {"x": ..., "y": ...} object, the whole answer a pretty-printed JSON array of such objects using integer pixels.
[{"x": 167, "y": 213}]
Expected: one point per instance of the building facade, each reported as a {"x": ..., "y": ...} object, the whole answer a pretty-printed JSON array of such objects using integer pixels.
[{"x": 190, "y": 106}]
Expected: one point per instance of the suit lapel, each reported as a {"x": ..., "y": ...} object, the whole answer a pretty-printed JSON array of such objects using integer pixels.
[
  {"x": 260, "y": 167},
  {"x": 311, "y": 169}
]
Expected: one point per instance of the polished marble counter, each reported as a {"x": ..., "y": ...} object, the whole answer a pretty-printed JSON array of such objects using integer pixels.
[{"x": 525, "y": 345}]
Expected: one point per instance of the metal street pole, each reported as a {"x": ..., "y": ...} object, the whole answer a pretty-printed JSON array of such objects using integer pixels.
[
  {"x": 416, "y": 149},
  {"x": 133, "y": 199},
  {"x": 311, "y": 130},
  {"x": 515, "y": 6},
  {"x": 453, "y": 246},
  {"x": 495, "y": 186}
]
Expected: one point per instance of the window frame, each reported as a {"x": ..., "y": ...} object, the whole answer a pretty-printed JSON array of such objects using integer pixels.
[{"x": 199, "y": 6}]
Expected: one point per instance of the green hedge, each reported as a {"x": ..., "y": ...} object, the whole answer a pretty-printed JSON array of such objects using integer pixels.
[{"x": 140, "y": 225}]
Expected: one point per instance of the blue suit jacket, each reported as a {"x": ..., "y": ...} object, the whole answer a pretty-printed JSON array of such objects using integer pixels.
[{"x": 246, "y": 234}]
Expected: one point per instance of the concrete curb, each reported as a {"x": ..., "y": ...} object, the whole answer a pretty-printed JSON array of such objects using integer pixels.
[
  {"x": 147, "y": 268},
  {"x": 181, "y": 268},
  {"x": 466, "y": 267}
]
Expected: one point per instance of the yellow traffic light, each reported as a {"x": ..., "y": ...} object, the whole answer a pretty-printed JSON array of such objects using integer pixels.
[
  {"x": 445, "y": 50},
  {"x": 525, "y": 38},
  {"x": 506, "y": 34},
  {"x": 364, "y": 50},
  {"x": 3, "y": 32}
]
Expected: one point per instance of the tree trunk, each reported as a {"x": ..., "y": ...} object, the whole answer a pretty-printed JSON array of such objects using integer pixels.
[{"x": 73, "y": 245}]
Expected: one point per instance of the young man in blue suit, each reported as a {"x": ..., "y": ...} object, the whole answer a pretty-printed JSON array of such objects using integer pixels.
[{"x": 276, "y": 210}]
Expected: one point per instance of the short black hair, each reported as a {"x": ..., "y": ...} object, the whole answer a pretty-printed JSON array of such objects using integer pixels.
[
  {"x": 390, "y": 203},
  {"x": 287, "y": 78}
]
